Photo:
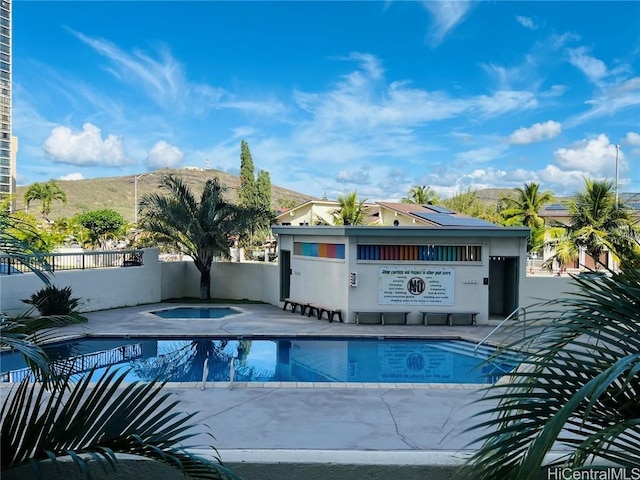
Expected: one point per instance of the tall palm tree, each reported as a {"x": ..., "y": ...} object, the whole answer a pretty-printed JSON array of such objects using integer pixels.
[
  {"x": 575, "y": 392},
  {"x": 421, "y": 195},
  {"x": 46, "y": 193},
  {"x": 597, "y": 222},
  {"x": 352, "y": 211},
  {"x": 203, "y": 229},
  {"x": 524, "y": 210},
  {"x": 596, "y": 218}
]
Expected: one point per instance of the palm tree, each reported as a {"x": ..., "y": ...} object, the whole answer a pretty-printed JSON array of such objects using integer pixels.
[
  {"x": 597, "y": 222},
  {"x": 576, "y": 390},
  {"x": 202, "y": 229},
  {"x": 46, "y": 193},
  {"x": 83, "y": 420},
  {"x": 352, "y": 211},
  {"x": 524, "y": 209},
  {"x": 422, "y": 195}
]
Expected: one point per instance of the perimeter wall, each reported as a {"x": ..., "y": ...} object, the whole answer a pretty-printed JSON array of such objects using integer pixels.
[{"x": 105, "y": 288}]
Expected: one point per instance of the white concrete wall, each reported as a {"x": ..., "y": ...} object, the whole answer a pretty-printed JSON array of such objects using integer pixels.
[
  {"x": 540, "y": 289},
  {"x": 248, "y": 280},
  {"x": 173, "y": 279},
  {"x": 99, "y": 288}
]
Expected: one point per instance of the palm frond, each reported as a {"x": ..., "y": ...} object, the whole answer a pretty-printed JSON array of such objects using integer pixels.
[
  {"x": 96, "y": 422},
  {"x": 577, "y": 389}
]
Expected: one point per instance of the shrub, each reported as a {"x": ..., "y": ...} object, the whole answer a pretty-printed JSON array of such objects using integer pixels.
[{"x": 52, "y": 300}]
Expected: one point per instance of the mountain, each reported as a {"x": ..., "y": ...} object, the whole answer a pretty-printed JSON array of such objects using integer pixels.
[{"x": 117, "y": 193}]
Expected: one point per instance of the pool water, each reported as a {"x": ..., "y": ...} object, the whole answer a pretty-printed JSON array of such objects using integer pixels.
[
  {"x": 196, "y": 312},
  {"x": 278, "y": 360}
]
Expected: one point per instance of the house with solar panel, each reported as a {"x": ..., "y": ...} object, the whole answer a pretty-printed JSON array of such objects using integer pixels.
[{"x": 419, "y": 264}]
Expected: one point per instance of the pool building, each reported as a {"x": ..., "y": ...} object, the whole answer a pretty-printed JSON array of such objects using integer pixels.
[{"x": 458, "y": 271}]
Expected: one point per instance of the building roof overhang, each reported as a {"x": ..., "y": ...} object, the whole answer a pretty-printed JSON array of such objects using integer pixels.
[{"x": 412, "y": 231}]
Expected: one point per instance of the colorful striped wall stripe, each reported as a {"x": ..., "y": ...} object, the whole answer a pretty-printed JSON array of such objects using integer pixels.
[
  {"x": 424, "y": 253},
  {"x": 319, "y": 250}
]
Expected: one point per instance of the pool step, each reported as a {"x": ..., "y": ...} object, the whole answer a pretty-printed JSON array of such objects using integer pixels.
[{"x": 483, "y": 352}]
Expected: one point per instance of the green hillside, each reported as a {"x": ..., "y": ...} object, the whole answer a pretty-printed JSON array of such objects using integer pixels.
[{"x": 117, "y": 193}]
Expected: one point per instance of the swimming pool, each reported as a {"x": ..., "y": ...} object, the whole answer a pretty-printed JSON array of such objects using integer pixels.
[
  {"x": 195, "y": 312},
  {"x": 382, "y": 360}
]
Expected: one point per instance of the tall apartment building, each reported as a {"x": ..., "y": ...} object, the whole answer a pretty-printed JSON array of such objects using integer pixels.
[{"x": 8, "y": 145}]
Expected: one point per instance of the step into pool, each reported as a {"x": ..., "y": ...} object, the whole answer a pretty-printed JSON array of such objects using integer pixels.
[{"x": 382, "y": 360}]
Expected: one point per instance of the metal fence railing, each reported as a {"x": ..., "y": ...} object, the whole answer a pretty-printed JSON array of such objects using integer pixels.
[{"x": 76, "y": 261}]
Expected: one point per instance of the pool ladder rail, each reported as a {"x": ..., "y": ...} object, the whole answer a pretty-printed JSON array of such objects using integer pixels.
[{"x": 205, "y": 373}]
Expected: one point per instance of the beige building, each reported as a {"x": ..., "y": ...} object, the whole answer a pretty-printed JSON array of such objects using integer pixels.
[{"x": 317, "y": 212}]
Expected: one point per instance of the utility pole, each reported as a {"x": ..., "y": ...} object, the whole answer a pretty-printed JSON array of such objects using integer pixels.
[{"x": 617, "y": 154}]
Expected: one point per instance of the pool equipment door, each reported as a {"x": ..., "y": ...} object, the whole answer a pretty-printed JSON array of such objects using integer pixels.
[
  {"x": 285, "y": 274},
  {"x": 503, "y": 285}
]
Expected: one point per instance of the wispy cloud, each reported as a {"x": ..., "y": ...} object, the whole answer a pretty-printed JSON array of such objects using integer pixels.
[
  {"x": 610, "y": 100},
  {"x": 593, "y": 68},
  {"x": 526, "y": 22},
  {"x": 357, "y": 177},
  {"x": 163, "y": 79},
  {"x": 446, "y": 15}
]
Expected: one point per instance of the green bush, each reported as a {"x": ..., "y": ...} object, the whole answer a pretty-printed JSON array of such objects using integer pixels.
[{"x": 52, "y": 300}]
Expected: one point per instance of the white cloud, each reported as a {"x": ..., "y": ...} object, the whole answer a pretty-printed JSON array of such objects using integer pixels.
[
  {"x": 359, "y": 177},
  {"x": 593, "y": 157},
  {"x": 594, "y": 69},
  {"x": 632, "y": 138},
  {"x": 526, "y": 22},
  {"x": 84, "y": 148},
  {"x": 611, "y": 100},
  {"x": 72, "y": 176},
  {"x": 535, "y": 133},
  {"x": 564, "y": 182},
  {"x": 163, "y": 155},
  {"x": 163, "y": 78},
  {"x": 446, "y": 15},
  {"x": 483, "y": 154}
]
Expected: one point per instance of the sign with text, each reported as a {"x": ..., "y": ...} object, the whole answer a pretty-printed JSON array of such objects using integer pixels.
[{"x": 416, "y": 285}]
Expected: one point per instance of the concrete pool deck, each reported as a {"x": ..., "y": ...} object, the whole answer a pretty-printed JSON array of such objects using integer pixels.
[{"x": 384, "y": 424}]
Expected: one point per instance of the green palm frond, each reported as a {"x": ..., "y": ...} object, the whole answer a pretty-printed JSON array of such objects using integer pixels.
[
  {"x": 577, "y": 390},
  {"x": 25, "y": 334},
  {"x": 97, "y": 421},
  {"x": 20, "y": 251}
]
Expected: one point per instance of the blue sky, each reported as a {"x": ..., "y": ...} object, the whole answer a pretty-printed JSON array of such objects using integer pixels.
[{"x": 332, "y": 97}]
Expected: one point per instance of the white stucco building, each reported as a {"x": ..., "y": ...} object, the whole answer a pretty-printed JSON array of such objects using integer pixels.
[{"x": 467, "y": 266}]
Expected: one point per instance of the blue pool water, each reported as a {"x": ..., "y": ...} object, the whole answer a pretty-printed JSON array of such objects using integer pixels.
[
  {"x": 195, "y": 312},
  {"x": 278, "y": 360}
]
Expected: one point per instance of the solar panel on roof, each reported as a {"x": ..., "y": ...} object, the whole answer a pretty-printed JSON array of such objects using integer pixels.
[
  {"x": 556, "y": 206},
  {"x": 438, "y": 209},
  {"x": 447, "y": 220}
]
